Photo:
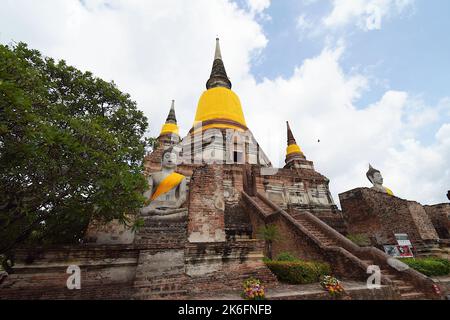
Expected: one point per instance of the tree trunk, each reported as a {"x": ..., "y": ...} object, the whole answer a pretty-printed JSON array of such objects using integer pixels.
[{"x": 269, "y": 250}]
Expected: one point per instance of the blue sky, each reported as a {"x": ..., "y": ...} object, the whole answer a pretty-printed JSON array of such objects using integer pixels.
[
  {"x": 411, "y": 52},
  {"x": 369, "y": 78}
]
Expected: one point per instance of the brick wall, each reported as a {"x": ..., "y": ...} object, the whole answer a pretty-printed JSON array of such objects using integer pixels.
[
  {"x": 380, "y": 216},
  {"x": 440, "y": 217},
  {"x": 206, "y": 205},
  {"x": 107, "y": 272}
]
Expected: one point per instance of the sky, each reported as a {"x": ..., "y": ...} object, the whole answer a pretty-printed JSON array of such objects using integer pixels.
[{"x": 368, "y": 78}]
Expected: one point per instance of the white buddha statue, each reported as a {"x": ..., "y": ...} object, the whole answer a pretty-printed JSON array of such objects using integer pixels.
[
  {"x": 376, "y": 179},
  {"x": 167, "y": 189}
]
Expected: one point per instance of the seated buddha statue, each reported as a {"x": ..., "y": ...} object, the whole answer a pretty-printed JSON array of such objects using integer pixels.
[
  {"x": 376, "y": 179},
  {"x": 167, "y": 189}
]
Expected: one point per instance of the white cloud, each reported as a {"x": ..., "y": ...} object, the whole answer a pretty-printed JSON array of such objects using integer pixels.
[
  {"x": 155, "y": 50},
  {"x": 318, "y": 100},
  {"x": 258, "y": 6},
  {"x": 163, "y": 50},
  {"x": 366, "y": 14},
  {"x": 303, "y": 23}
]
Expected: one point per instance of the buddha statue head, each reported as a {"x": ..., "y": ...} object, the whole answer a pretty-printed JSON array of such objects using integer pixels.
[
  {"x": 376, "y": 179},
  {"x": 169, "y": 159},
  {"x": 374, "y": 176}
]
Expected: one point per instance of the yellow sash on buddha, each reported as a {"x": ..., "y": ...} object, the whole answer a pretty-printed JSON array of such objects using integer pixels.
[
  {"x": 389, "y": 191},
  {"x": 167, "y": 184}
]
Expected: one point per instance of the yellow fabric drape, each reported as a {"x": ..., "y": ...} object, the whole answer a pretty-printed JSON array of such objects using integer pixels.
[
  {"x": 169, "y": 128},
  {"x": 167, "y": 184},
  {"x": 293, "y": 148},
  {"x": 389, "y": 191}
]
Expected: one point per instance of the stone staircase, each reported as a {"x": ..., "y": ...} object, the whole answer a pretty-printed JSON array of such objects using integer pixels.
[
  {"x": 406, "y": 283},
  {"x": 404, "y": 288},
  {"x": 424, "y": 249}
]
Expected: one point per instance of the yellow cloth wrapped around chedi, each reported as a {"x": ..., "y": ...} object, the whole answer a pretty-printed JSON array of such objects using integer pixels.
[{"x": 168, "y": 183}]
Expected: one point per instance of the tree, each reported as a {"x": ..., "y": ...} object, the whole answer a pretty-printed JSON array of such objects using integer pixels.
[
  {"x": 269, "y": 233},
  {"x": 71, "y": 149}
]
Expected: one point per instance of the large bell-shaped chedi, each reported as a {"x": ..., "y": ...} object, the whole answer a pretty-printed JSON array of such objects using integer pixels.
[{"x": 219, "y": 133}]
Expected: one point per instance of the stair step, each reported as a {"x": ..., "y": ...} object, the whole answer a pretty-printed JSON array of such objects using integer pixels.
[
  {"x": 412, "y": 295},
  {"x": 405, "y": 289}
]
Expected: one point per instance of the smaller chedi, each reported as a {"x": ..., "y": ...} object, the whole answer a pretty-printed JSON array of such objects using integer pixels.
[{"x": 376, "y": 179}]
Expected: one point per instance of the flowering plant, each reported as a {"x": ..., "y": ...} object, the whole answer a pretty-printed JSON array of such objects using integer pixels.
[
  {"x": 253, "y": 290},
  {"x": 332, "y": 285}
]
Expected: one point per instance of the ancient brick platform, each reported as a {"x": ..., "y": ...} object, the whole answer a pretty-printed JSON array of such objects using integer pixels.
[{"x": 381, "y": 216}]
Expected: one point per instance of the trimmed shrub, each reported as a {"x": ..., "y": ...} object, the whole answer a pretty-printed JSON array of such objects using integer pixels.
[
  {"x": 298, "y": 272},
  {"x": 286, "y": 256},
  {"x": 429, "y": 266}
]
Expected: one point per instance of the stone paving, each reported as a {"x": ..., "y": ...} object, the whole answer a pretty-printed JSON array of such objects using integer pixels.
[{"x": 354, "y": 290}]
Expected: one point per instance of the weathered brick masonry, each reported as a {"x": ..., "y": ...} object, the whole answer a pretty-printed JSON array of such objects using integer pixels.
[{"x": 381, "y": 216}]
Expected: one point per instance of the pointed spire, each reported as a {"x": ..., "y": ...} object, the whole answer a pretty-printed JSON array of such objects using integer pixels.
[
  {"x": 218, "y": 77},
  {"x": 170, "y": 127},
  {"x": 290, "y": 136},
  {"x": 218, "y": 54},
  {"x": 171, "y": 118},
  {"x": 293, "y": 151}
]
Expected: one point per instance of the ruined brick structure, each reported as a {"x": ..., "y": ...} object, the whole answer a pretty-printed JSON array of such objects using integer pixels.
[
  {"x": 384, "y": 215},
  {"x": 380, "y": 216},
  {"x": 440, "y": 217}
]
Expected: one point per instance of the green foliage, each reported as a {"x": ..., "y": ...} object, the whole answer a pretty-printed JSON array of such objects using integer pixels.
[
  {"x": 360, "y": 239},
  {"x": 299, "y": 272},
  {"x": 71, "y": 149},
  {"x": 286, "y": 256},
  {"x": 429, "y": 266},
  {"x": 269, "y": 233}
]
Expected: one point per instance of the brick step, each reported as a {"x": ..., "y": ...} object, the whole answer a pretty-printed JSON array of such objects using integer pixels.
[
  {"x": 399, "y": 283},
  {"x": 391, "y": 276},
  {"x": 166, "y": 235},
  {"x": 412, "y": 296},
  {"x": 405, "y": 288},
  {"x": 163, "y": 236},
  {"x": 169, "y": 281},
  {"x": 387, "y": 273},
  {"x": 320, "y": 236},
  {"x": 315, "y": 231},
  {"x": 156, "y": 228},
  {"x": 164, "y": 232},
  {"x": 152, "y": 295},
  {"x": 160, "y": 287},
  {"x": 324, "y": 239}
]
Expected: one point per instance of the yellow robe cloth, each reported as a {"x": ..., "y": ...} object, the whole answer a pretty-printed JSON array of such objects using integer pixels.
[
  {"x": 389, "y": 191},
  {"x": 167, "y": 184}
]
